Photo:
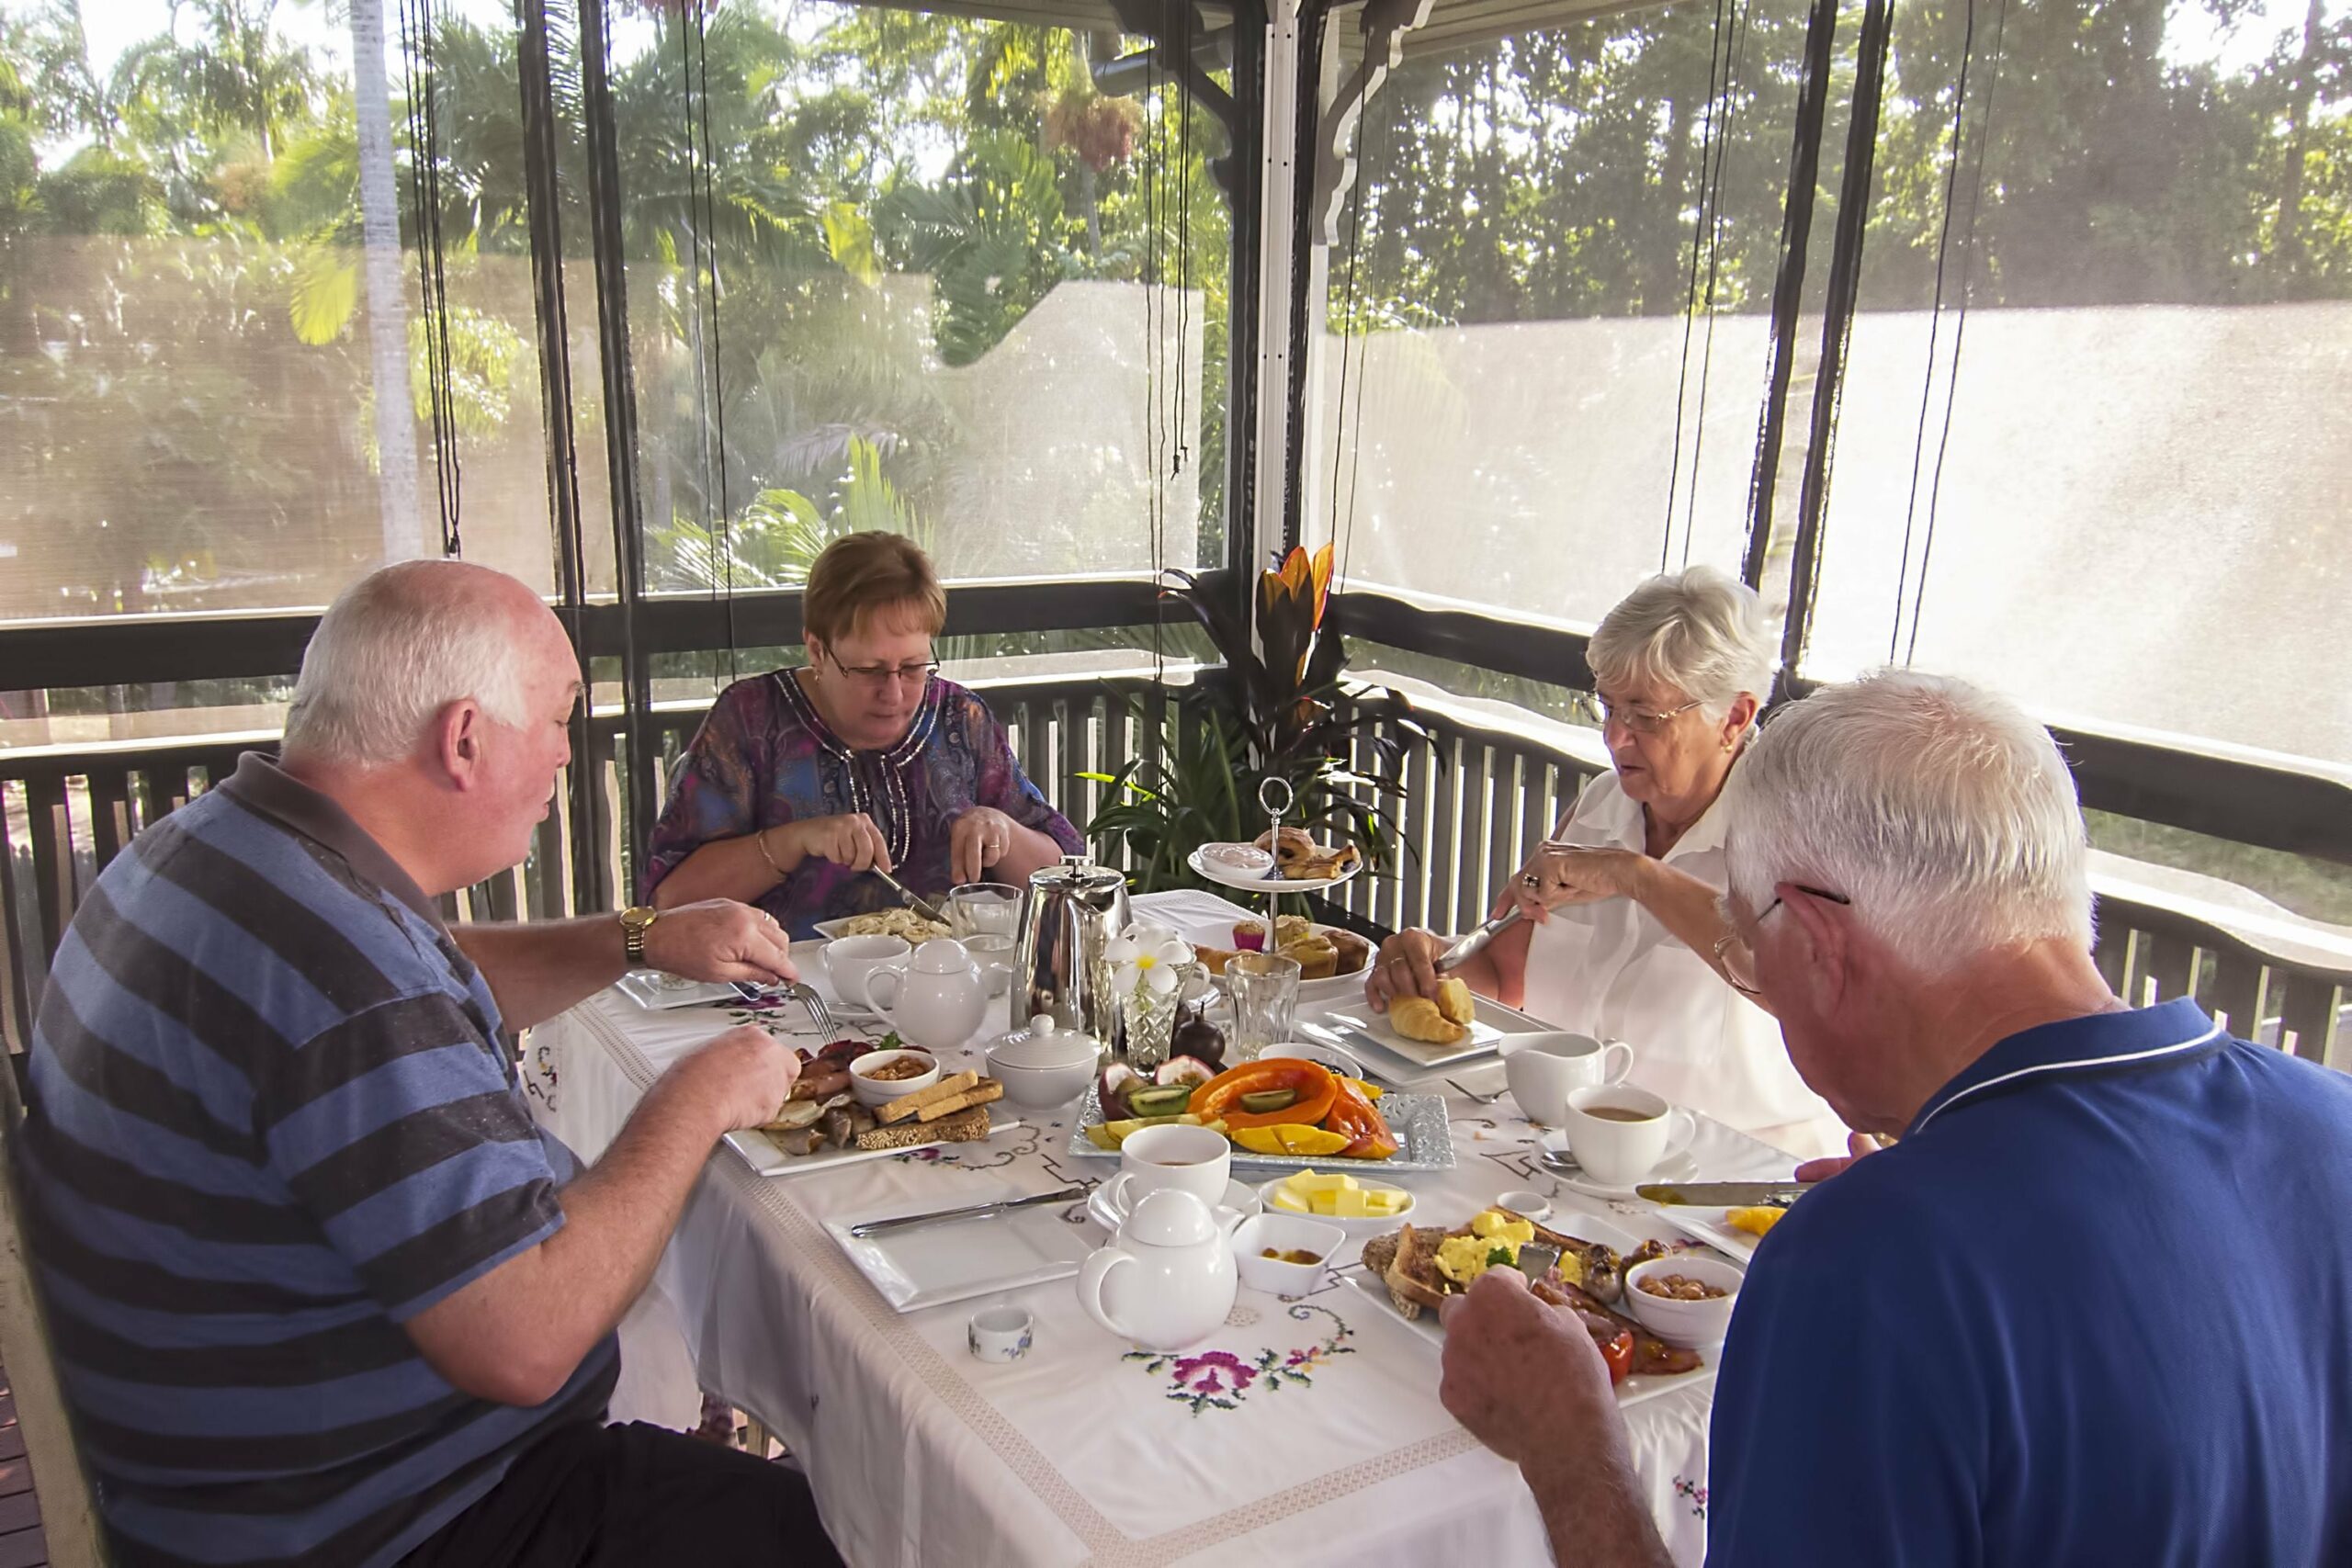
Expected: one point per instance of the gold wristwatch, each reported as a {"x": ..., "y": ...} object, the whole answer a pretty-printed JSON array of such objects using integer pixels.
[{"x": 636, "y": 921}]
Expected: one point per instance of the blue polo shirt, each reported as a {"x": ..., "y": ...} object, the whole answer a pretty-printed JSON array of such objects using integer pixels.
[{"x": 2096, "y": 1307}]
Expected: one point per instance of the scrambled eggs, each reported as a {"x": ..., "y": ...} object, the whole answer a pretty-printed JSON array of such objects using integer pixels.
[{"x": 1495, "y": 1238}]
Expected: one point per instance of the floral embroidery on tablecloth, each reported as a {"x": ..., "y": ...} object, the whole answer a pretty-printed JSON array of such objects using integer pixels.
[
  {"x": 1691, "y": 1492},
  {"x": 1220, "y": 1380}
]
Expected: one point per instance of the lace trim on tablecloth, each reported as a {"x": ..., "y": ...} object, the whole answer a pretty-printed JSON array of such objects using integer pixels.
[{"x": 1110, "y": 1547}]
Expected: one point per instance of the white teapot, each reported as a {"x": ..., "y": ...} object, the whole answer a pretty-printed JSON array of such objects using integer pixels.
[
  {"x": 933, "y": 999},
  {"x": 1167, "y": 1279}
]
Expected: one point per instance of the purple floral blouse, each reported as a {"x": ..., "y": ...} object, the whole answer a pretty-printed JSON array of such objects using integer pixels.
[{"x": 765, "y": 757}]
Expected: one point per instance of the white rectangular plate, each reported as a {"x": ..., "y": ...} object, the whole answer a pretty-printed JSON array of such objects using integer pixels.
[
  {"x": 1708, "y": 1225},
  {"x": 1424, "y": 1141},
  {"x": 923, "y": 1266},
  {"x": 1632, "y": 1391},
  {"x": 764, "y": 1157}
]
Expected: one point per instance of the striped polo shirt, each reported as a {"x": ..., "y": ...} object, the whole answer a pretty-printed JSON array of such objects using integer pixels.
[{"x": 271, "y": 1123}]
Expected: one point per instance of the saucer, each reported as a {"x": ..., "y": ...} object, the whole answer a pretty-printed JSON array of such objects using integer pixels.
[
  {"x": 1098, "y": 1207},
  {"x": 1678, "y": 1167}
]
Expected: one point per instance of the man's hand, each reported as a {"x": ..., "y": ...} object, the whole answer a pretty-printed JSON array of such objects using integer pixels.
[
  {"x": 1405, "y": 966},
  {"x": 1523, "y": 1376},
  {"x": 1557, "y": 875},
  {"x": 1856, "y": 1144},
  {"x": 742, "y": 1076},
  {"x": 976, "y": 841},
  {"x": 720, "y": 940},
  {"x": 850, "y": 839}
]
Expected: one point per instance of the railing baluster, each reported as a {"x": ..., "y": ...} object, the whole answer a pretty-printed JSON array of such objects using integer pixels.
[
  {"x": 16, "y": 864},
  {"x": 2308, "y": 1015},
  {"x": 2236, "y": 992},
  {"x": 53, "y": 894},
  {"x": 1471, "y": 860}
]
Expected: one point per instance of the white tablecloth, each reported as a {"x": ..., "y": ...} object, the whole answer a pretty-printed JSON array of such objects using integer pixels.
[{"x": 1304, "y": 1433}]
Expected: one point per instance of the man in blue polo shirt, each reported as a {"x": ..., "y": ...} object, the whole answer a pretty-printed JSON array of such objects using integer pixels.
[
  {"x": 2091, "y": 1307},
  {"x": 319, "y": 1292}
]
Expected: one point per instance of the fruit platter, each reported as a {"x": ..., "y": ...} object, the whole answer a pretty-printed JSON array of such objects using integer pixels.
[{"x": 1279, "y": 1112}]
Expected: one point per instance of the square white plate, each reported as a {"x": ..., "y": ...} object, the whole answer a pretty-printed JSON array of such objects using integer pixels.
[
  {"x": 1367, "y": 1027},
  {"x": 758, "y": 1152},
  {"x": 659, "y": 992},
  {"x": 832, "y": 929},
  {"x": 923, "y": 1266},
  {"x": 1584, "y": 1227}
]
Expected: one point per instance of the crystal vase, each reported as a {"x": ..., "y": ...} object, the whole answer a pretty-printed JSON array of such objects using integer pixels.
[{"x": 1148, "y": 1022}]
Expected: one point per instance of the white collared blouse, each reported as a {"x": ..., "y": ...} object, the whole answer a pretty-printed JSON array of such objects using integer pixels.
[{"x": 1611, "y": 970}]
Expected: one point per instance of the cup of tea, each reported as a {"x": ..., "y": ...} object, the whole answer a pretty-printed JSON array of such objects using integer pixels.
[
  {"x": 1544, "y": 1068},
  {"x": 1192, "y": 1159},
  {"x": 1619, "y": 1134},
  {"x": 850, "y": 959}
]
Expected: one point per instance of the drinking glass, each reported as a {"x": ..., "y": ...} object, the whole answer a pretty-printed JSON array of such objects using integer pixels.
[
  {"x": 1265, "y": 995},
  {"x": 984, "y": 909}
]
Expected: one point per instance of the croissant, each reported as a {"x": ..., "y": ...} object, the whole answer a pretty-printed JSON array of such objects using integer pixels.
[
  {"x": 1454, "y": 1000},
  {"x": 1418, "y": 1018}
]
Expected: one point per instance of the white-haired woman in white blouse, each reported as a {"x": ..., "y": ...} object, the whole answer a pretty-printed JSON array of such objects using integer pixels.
[{"x": 1622, "y": 939}]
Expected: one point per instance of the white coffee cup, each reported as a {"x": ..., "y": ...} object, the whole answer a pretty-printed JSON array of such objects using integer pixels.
[
  {"x": 1619, "y": 1134},
  {"x": 850, "y": 959},
  {"x": 1192, "y": 1159},
  {"x": 1544, "y": 1068}
]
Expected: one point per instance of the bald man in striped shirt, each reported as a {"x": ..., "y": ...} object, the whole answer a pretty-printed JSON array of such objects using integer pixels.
[{"x": 320, "y": 1291}]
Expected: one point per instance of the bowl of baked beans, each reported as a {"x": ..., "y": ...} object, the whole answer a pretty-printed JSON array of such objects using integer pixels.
[{"x": 1684, "y": 1299}]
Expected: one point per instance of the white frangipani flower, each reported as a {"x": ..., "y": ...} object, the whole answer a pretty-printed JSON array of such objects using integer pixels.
[{"x": 1150, "y": 957}]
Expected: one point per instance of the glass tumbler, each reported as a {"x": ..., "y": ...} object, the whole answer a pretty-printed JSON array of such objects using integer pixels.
[{"x": 1265, "y": 996}]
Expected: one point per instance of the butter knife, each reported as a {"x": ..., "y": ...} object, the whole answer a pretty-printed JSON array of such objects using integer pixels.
[
  {"x": 1470, "y": 946},
  {"x": 969, "y": 1212},
  {"x": 1724, "y": 1194},
  {"x": 920, "y": 906},
  {"x": 1536, "y": 1259}
]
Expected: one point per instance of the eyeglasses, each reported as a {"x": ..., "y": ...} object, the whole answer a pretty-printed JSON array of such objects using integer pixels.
[
  {"x": 1732, "y": 952},
  {"x": 1639, "y": 721},
  {"x": 874, "y": 677}
]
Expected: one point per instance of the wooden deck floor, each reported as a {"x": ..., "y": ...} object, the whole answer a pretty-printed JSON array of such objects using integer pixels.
[{"x": 21, "y": 1543}]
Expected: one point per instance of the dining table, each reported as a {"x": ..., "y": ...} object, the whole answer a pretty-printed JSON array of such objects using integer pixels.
[{"x": 1302, "y": 1432}]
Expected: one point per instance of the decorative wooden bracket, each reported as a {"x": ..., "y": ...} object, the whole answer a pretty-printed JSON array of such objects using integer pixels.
[{"x": 1385, "y": 25}]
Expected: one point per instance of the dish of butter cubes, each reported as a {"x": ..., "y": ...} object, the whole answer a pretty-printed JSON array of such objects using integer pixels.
[{"x": 1358, "y": 1207}]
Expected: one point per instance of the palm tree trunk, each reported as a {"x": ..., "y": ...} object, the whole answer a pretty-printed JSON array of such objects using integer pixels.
[{"x": 379, "y": 210}]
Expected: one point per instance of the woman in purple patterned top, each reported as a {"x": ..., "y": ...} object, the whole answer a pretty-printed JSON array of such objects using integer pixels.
[{"x": 802, "y": 781}]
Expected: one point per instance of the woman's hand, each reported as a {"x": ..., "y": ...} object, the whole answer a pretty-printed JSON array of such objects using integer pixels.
[
  {"x": 1405, "y": 966},
  {"x": 977, "y": 840},
  {"x": 1559, "y": 874},
  {"x": 850, "y": 839}
]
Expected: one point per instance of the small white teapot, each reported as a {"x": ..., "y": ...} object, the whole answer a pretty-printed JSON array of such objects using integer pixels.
[
  {"x": 934, "y": 998},
  {"x": 1167, "y": 1279}
]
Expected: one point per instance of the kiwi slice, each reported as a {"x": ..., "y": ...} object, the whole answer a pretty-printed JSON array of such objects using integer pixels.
[
  {"x": 1258, "y": 1101},
  {"x": 1163, "y": 1100}
]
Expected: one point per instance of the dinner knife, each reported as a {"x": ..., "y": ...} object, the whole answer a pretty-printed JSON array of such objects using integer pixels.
[
  {"x": 1470, "y": 946},
  {"x": 920, "y": 906},
  {"x": 1724, "y": 1194},
  {"x": 969, "y": 1212}
]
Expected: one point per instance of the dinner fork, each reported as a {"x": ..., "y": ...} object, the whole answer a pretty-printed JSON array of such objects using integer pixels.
[{"x": 819, "y": 1013}]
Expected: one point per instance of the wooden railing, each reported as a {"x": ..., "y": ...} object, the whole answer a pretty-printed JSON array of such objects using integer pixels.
[{"x": 1478, "y": 800}]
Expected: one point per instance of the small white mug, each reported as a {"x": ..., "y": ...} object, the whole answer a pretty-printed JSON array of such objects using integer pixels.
[
  {"x": 1544, "y": 1068},
  {"x": 850, "y": 959},
  {"x": 1000, "y": 1334},
  {"x": 1619, "y": 1134},
  {"x": 1192, "y": 1159}
]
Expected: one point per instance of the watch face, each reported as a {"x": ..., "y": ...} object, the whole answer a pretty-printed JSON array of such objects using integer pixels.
[{"x": 638, "y": 916}]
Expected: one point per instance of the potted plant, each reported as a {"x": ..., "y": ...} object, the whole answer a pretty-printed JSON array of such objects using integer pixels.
[{"x": 1279, "y": 708}]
